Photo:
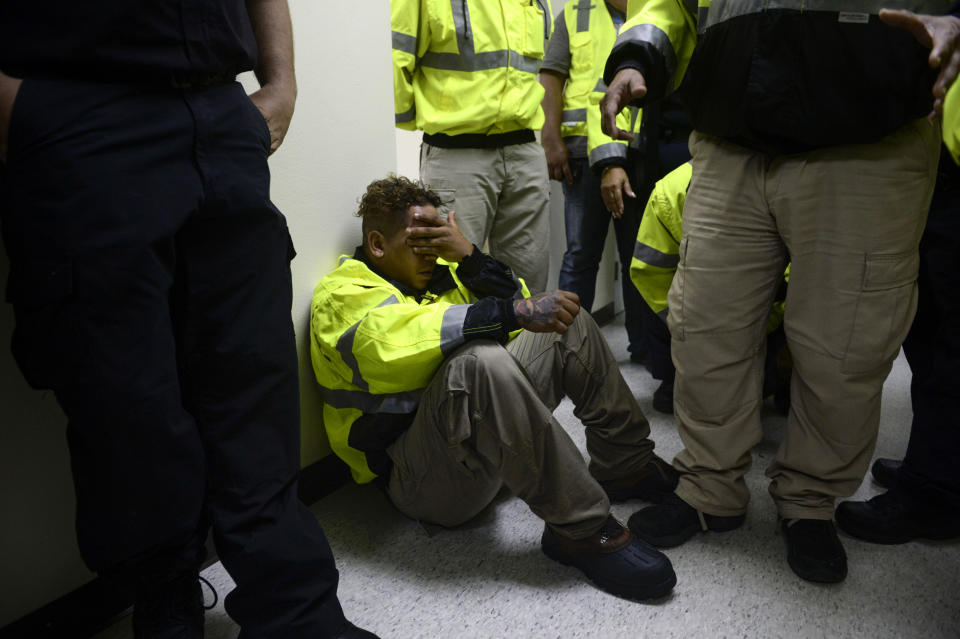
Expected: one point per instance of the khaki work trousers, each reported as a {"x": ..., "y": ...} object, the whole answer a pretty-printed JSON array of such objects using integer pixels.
[
  {"x": 486, "y": 419},
  {"x": 501, "y": 197},
  {"x": 849, "y": 219}
]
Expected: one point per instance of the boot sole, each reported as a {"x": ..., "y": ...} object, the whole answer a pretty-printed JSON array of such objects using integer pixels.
[
  {"x": 633, "y": 592},
  {"x": 877, "y": 536}
]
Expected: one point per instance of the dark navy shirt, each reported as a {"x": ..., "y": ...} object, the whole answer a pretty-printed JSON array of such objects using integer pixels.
[{"x": 125, "y": 39}]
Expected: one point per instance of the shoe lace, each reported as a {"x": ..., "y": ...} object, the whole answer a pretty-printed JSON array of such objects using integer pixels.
[{"x": 216, "y": 597}]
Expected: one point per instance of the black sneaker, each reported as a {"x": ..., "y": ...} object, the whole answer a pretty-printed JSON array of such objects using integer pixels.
[
  {"x": 814, "y": 551},
  {"x": 675, "y": 521},
  {"x": 663, "y": 398},
  {"x": 654, "y": 482},
  {"x": 886, "y": 472},
  {"x": 898, "y": 516},
  {"x": 168, "y": 608},
  {"x": 615, "y": 561}
]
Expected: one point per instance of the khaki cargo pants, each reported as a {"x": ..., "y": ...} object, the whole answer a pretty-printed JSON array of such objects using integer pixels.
[
  {"x": 849, "y": 219},
  {"x": 486, "y": 419}
]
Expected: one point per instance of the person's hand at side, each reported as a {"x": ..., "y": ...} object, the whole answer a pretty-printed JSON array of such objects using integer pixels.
[
  {"x": 627, "y": 85},
  {"x": 940, "y": 34},
  {"x": 278, "y": 84},
  {"x": 614, "y": 184},
  {"x": 549, "y": 312},
  {"x": 558, "y": 159},
  {"x": 430, "y": 234},
  {"x": 9, "y": 87}
]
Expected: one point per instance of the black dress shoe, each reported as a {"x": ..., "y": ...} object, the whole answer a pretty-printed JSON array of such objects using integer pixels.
[
  {"x": 675, "y": 521},
  {"x": 615, "y": 561},
  {"x": 886, "y": 472},
  {"x": 353, "y": 632},
  {"x": 814, "y": 551},
  {"x": 663, "y": 398},
  {"x": 898, "y": 516},
  {"x": 654, "y": 482},
  {"x": 169, "y": 607}
]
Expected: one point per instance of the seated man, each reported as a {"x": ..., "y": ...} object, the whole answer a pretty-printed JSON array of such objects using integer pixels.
[{"x": 440, "y": 378}]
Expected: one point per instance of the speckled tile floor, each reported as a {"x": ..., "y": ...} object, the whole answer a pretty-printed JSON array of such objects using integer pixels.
[{"x": 489, "y": 580}]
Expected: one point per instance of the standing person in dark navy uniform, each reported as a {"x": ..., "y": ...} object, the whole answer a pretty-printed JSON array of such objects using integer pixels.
[{"x": 150, "y": 279}]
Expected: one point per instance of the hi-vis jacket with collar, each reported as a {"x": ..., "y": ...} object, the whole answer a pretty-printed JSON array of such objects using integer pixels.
[
  {"x": 591, "y": 33},
  {"x": 375, "y": 345},
  {"x": 468, "y": 66},
  {"x": 785, "y": 76}
]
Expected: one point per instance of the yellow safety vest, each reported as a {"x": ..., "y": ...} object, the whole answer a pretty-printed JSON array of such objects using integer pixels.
[
  {"x": 468, "y": 66},
  {"x": 374, "y": 349},
  {"x": 592, "y": 34}
]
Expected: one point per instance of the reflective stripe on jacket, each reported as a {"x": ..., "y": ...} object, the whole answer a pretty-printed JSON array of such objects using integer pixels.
[{"x": 468, "y": 66}]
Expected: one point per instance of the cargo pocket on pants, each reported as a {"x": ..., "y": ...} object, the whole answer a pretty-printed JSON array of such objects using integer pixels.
[{"x": 885, "y": 308}]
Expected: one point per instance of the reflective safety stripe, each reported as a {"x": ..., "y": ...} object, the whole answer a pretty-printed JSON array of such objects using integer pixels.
[
  {"x": 547, "y": 19},
  {"x": 344, "y": 258},
  {"x": 608, "y": 150},
  {"x": 451, "y": 330},
  {"x": 404, "y": 42},
  {"x": 649, "y": 255},
  {"x": 407, "y": 116},
  {"x": 601, "y": 86},
  {"x": 574, "y": 116},
  {"x": 394, "y": 403},
  {"x": 345, "y": 347},
  {"x": 648, "y": 34},
  {"x": 480, "y": 61},
  {"x": 468, "y": 59},
  {"x": 723, "y": 10},
  {"x": 583, "y": 15}
]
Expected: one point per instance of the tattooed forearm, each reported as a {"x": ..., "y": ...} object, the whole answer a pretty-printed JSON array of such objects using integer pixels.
[{"x": 542, "y": 307}]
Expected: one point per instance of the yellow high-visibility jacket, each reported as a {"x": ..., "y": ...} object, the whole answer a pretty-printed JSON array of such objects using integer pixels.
[
  {"x": 951, "y": 122},
  {"x": 591, "y": 33},
  {"x": 656, "y": 254},
  {"x": 374, "y": 349},
  {"x": 469, "y": 66}
]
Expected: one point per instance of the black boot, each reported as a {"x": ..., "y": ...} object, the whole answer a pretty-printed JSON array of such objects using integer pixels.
[
  {"x": 169, "y": 607},
  {"x": 675, "y": 521},
  {"x": 814, "y": 551},
  {"x": 886, "y": 472},
  {"x": 898, "y": 516}
]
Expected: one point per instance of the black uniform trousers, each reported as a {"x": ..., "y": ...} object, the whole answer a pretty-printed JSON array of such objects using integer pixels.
[
  {"x": 151, "y": 286},
  {"x": 932, "y": 347}
]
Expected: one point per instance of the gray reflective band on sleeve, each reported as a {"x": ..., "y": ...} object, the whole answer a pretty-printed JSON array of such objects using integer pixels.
[
  {"x": 404, "y": 42},
  {"x": 345, "y": 348},
  {"x": 583, "y": 14},
  {"x": 723, "y": 10},
  {"x": 394, "y": 403},
  {"x": 653, "y": 257},
  {"x": 653, "y": 35},
  {"x": 451, "y": 329},
  {"x": 608, "y": 150},
  {"x": 574, "y": 115},
  {"x": 407, "y": 116},
  {"x": 601, "y": 86}
]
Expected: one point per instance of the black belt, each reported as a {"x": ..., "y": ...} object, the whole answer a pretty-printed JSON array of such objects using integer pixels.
[{"x": 479, "y": 140}]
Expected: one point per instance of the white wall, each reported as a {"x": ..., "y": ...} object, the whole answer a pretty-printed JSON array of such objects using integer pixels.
[{"x": 342, "y": 137}]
